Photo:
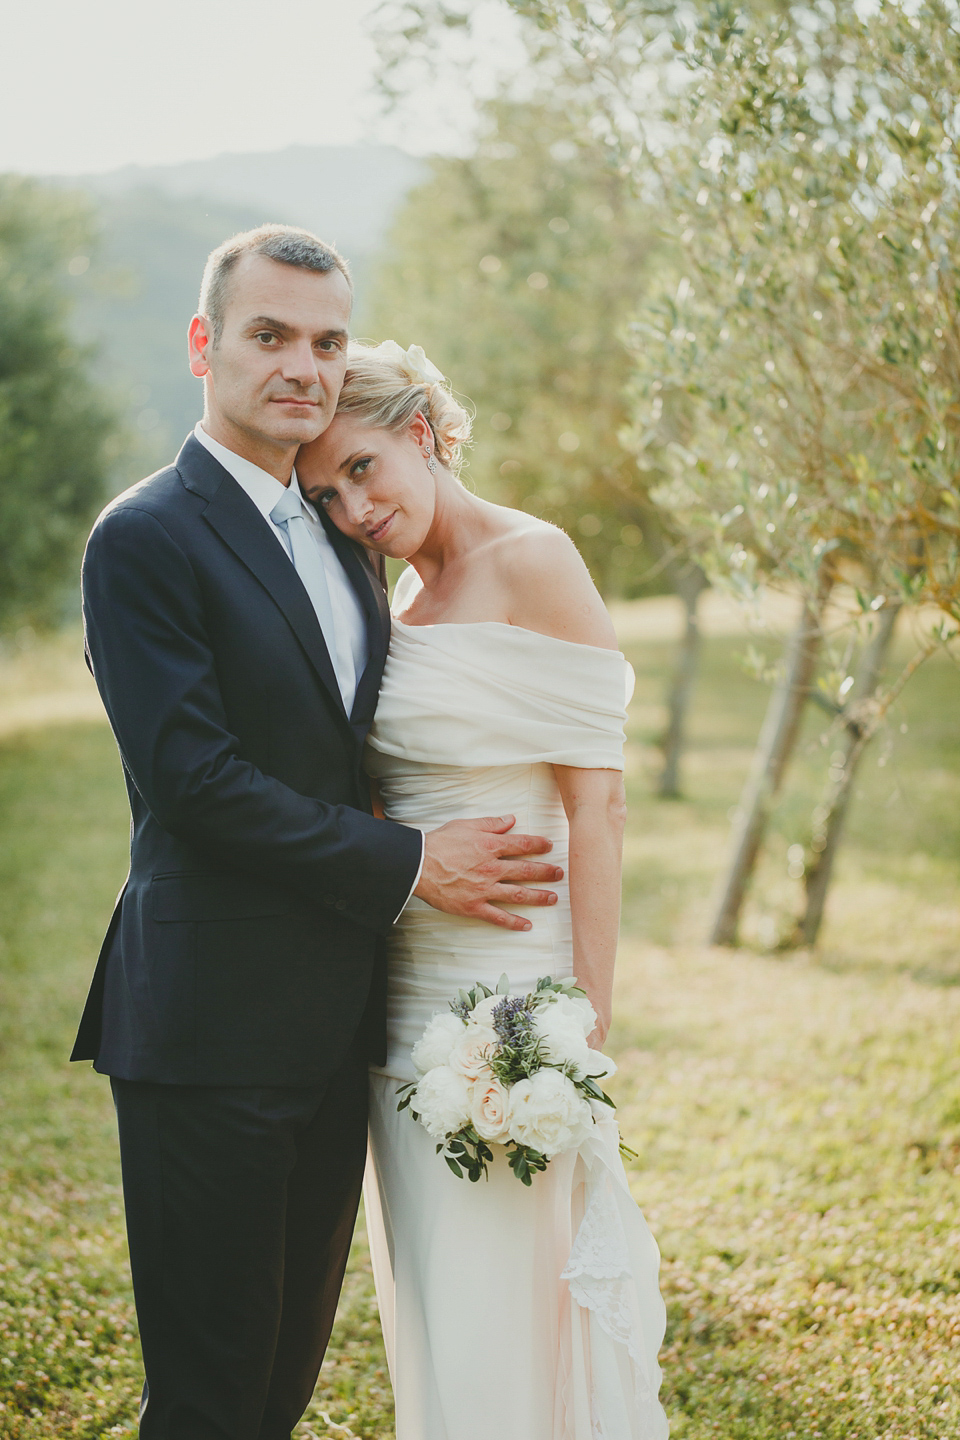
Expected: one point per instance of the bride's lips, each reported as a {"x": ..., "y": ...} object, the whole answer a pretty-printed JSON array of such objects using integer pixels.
[{"x": 379, "y": 531}]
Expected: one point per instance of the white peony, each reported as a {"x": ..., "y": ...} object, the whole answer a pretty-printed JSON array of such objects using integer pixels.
[
  {"x": 442, "y": 1101},
  {"x": 599, "y": 1066},
  {"x": 579, "y": 1005},
  {"x": 438, "y": 1039},
  {"x": 472, "y": 1050},
  {"x": 489, "y": 1107},
  {"x": 559, "y": 1026},
  {"x": 548, "y": 1113}
]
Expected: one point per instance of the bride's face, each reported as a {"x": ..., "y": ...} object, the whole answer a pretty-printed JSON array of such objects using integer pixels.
[{"x": 374, "y": 484}]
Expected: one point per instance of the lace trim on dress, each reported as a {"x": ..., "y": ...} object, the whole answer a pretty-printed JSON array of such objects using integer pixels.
[{"x": 599, "y": 1270}]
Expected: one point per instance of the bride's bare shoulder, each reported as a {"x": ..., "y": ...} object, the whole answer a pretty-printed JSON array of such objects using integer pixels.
[{"x": 547, "y": 585}]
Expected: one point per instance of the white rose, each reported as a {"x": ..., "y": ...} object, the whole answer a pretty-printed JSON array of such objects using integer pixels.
[
  {"x": 442, "y": 1101},
  {"x": 482, "y": 1012},
  {"x": 420, "y": 368},
  {"x": 438, "y": 1039},
  {"x": 559, "y": 1026},
  {"x": 470, "y": 1054},
  {"x": 412, "y": 361},
  {"x": 489, "y": 1107},
  {"x": 548, "y": 1113}
]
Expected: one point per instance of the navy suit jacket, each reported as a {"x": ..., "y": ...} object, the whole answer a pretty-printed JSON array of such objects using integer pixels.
[{"x": 246, "y": 946}]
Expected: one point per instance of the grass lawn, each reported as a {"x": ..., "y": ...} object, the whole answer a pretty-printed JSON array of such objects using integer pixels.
[{"x": 797, "y": 1118}]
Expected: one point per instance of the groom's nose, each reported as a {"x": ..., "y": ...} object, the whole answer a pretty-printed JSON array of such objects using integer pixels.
[{"x": 300, "y": 364}]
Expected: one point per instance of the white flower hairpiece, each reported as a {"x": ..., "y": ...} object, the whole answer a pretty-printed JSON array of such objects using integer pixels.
[{"x": 413, "y": 362}]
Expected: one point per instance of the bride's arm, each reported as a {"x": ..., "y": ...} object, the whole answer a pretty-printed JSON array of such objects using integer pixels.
[
  {"x": 549, "y": 590},
  {"x": 596, "y": 810}
]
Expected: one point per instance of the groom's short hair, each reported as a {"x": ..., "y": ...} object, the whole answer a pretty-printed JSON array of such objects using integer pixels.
[{"x": 283, "y": 243}]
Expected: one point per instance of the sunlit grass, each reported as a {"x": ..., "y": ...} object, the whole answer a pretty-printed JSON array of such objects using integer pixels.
[{"x": 798, "y": 1120}]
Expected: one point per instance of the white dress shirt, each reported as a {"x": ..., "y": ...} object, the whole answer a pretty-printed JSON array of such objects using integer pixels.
[
  {"x": 348, "y": 617},
  {"x": 350, "y": 624}
]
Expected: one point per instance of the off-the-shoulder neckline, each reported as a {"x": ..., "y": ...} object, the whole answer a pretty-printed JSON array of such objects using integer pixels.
[{"x": 505, "y": 625}]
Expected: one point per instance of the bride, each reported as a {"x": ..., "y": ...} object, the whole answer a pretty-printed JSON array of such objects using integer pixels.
[{"x": 522, "y": 1314}]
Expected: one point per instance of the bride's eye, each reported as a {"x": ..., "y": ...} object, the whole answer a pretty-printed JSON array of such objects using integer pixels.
[
  {"x": 324, "y": 498},
  {"x": 360, "y": 467}
]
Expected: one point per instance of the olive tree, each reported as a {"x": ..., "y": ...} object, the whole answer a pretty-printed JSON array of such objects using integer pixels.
[
  {"x": 54, "y": 428},
  {"x": 517, "y": 268},
  {"x": 812, "y": 176},
  {"x": 798, "y": 380}
]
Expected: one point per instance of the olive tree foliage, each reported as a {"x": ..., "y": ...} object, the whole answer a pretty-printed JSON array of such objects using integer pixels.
[
  {"x": 518, "y": 267},
  {"x": 798, "y": 380},
  {"x": 514, "y": 268},
  {"x": 55, "y": 431},
  {"x": 801, "y": 382}
]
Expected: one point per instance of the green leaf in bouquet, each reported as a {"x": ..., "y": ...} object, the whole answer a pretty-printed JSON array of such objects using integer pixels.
[
  {"x": 525, "y": 1162},
  {"x": 454, "y": 1167},
  {"x": 590, "y": 1087},
  {"x": 503, "y": 984}
]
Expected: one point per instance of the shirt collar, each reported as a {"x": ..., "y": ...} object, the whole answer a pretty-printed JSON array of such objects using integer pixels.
[{"x": 263, "y": 489}]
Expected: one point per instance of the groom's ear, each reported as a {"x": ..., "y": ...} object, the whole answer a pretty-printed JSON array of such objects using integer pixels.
[{"x": 199, "y": 339}]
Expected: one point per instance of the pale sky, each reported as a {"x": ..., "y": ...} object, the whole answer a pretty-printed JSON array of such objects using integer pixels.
[{"x": 91, "y": 86}]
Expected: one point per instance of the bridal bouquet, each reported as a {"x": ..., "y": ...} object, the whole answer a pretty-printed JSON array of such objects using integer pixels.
[{"x": 513, "y": 1070}]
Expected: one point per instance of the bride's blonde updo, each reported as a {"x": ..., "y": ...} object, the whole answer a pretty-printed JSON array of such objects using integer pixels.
[{"x": 385, "y": 386}]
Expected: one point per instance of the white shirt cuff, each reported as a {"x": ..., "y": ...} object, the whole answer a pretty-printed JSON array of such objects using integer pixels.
[{"x": 416, "y": 882}]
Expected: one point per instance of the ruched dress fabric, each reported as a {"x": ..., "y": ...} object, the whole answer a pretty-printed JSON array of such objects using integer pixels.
[{"x": 509, "y": 1312}]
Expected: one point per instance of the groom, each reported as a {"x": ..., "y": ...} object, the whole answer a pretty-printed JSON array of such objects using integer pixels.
[{"x": 238, "y": 639}]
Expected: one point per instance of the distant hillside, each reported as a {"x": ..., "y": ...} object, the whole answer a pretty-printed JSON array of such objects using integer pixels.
[
  {"x": 158, "y": 226},
  {"x": 344, "y": 193}
]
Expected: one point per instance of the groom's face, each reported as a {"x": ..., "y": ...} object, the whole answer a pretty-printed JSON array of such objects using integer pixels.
[{"x": 275, "y": 373}]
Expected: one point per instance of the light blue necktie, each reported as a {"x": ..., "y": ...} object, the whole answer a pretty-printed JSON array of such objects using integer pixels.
[{"x": 288, "y": 515}]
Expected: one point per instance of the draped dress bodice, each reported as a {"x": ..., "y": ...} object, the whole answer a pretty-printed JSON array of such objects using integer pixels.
[
  {"x": 551, "y": 1291},
  {"x": 471, "y": 720}
]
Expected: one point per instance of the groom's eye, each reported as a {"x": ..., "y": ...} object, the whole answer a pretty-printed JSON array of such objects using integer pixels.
[{"x": 266, "y": 337}]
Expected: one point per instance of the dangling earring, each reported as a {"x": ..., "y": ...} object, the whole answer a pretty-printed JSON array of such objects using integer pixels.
[{"x": 431, "y": 463}]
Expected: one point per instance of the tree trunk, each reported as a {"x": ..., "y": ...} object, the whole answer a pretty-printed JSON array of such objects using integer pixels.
[
  {"x": 689, "y": 583},
  {"x": 829, "y": 816},
  {"x": 777, "y": 739}
]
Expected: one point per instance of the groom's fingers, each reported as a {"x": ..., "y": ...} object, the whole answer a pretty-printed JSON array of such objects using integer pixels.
[
  {"x": 520, "y": 895},
  {"x": 522, "y": 872},
  {"x": 499, "y": 825},
  {"x": 510, "y": 845},
  {"x": 504, "y": 918}
]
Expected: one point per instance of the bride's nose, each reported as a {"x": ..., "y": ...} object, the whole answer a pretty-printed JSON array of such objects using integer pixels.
[{"x": 358, "y": 508}]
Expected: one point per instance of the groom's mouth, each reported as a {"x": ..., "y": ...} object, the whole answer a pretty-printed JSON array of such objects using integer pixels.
[
  {"x": 300, "y": 402},
  {"x": 377, "y": 532}
]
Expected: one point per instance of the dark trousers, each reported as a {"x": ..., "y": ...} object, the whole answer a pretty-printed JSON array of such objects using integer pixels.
[{"x": 240, "y": 1205}]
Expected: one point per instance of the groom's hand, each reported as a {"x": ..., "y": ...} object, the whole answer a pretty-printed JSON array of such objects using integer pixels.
[{"x": 472, "y": 867}]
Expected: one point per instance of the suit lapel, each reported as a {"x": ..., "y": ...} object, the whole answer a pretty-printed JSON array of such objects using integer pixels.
[{"x": 238, "y": 522}]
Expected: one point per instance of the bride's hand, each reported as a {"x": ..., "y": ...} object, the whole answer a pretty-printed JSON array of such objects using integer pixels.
[
  {"x": 473, "y": 867},
  {"x": 598, "y": 1035}
]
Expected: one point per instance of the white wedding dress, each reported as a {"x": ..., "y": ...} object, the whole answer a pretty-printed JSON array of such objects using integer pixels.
[{"x": 508, "y": 1313}]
